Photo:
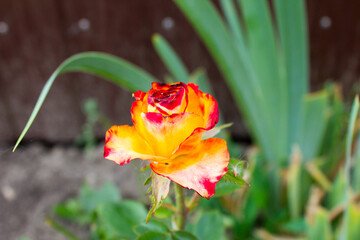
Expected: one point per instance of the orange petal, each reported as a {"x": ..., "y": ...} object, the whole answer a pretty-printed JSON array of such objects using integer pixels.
[
  {"x": 203, "y": 104},
  {"x": 190, "y": 143},
  {"x": 123, "y": 143},
  {"x": 165, "y": 133},
  {"x": 201, "y": 169}
]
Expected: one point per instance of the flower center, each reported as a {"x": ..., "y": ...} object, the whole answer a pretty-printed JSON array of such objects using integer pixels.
[{"x": 168, "y": 98}]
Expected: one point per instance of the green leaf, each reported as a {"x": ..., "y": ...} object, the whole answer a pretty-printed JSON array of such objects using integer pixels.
[
  {"x": 225, "y": 187},
  {"x": 231, "y": 177},
  {"x": 170, "y": 58},
  {"x": 169, "y": 79},
  {"x": 292, "y": 27},
  {"x": 333, "y": 146},
  {"x": 349, "y": 138},
  {"x": 238, "y": 71},
  {"x": 163, "y": 212},
  {"x": 353, "y": 222},
  {"x": 210, "y": 226},
  {"x": 215, "y": 131},
  {"x": 348, "y": 229},
  {"x": 87, "y": 138},
  {"x": 151, "y": 226},
  {"x": 200, "y": 78},
  {"x": 318, "y": 175},
  {"x": 336, "y": 195},
  {"x": 154, "y": 236},
  {"x": 72, "y": 210},
  {"x": 294, "y": 185},
  {"x": 297, "y": 226},
  {"x": 90, "y": 199},
  {"x": 232, "y": 180},
  {"x": 233, "y": 20},
  {"x": 321, "y": 228},
  {"x": 263, "y": 52},
  {"x": 237, "y": 166},
  {"x": 245, "y": 225},
  {"x": 183, "y": 235},
  {"x": 147, "y": 180},
  {"x": 145, "y": 168},
  {"x": 313, "y": 124},
  {"x": 119, "y": 219},
  {"x": 160, "y": 188},
  {"x": 356, "y": 180},
  {"x": 59, "y": 228},
  {"x": 114, "y": 69}
]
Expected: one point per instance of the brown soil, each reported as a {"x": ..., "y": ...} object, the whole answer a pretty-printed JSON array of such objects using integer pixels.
[{"x": 34, "y": 178}]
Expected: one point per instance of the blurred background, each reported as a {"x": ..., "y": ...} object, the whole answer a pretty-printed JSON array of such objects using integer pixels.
[{"x": 37, "y": 35}]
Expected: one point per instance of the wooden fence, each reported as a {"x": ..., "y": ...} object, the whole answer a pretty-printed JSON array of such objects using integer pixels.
[{"x": 36, "y": 35}]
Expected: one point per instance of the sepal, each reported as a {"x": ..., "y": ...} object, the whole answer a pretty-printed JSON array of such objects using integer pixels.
[
  {"x": 235, "y": 172},
  {"x": 215, "y": 131},
  {"x": 160, "y": 188}
]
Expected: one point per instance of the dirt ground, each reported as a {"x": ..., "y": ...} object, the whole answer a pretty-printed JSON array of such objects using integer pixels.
[{"x": 35, "y": 177}]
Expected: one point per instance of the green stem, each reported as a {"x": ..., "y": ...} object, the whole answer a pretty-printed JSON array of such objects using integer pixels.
[
  {"x": 181, "y": 211},
  {"x": 194, "y": 201},
  {"x": 52, "y": 223}
]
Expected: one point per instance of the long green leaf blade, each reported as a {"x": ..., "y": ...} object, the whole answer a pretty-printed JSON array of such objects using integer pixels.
[
  {"x": 350, "y": 133},
  {"x": 356, "y": 178},
  {"x": 103, "y": 65},
  {"x": 237, "y": 71},
  {"x": 233, "y": 20},
  {"x": 353, "y": 222},
  {"x": 264, "y": 55},
  {"x": 321, "y": 227},
  {"x": 347, "y": 227},
  {"x": 170, "y": 58},
  {"x": 313, "y": 124},
  {"x": 294, "y": 185},
  {"x": 292, "y": 26}
]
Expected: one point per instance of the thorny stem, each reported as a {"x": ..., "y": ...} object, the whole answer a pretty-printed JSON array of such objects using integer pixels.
[{"x": 181, "y": 211}]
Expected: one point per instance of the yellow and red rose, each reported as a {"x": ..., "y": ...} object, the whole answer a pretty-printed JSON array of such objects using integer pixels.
[{"x": 169, "y": 121}]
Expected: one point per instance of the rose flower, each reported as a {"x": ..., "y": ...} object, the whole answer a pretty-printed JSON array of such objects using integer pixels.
[{"x": 169, "y": 121}]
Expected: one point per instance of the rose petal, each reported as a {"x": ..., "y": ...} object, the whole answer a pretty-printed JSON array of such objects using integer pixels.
[
  {"x": 167, "y": 98},
  {"x": 123, "y": 143},
  {"x": 203, "y": 104},
  {"x": 190, "y": 143},
  {"x": 164, "y": 86},
  {"x": 165, "y": 134},
  {"x": 201, "y": 169},
  {"x": 139, "y": 95}
]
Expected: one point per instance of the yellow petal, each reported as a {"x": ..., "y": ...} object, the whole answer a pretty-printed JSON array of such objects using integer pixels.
[
  {"x": 201, "y": 169},
  {"x": 165, "y": 133},
  {"x": 123, "y": 143}
]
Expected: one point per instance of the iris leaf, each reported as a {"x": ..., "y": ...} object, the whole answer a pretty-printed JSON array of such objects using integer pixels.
[
  {"x": 114, "y": 69},
  {"x": 351, "y": 219},
  {"x": 292, "y": 26},
  {"x": 170, "y": 59}
]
